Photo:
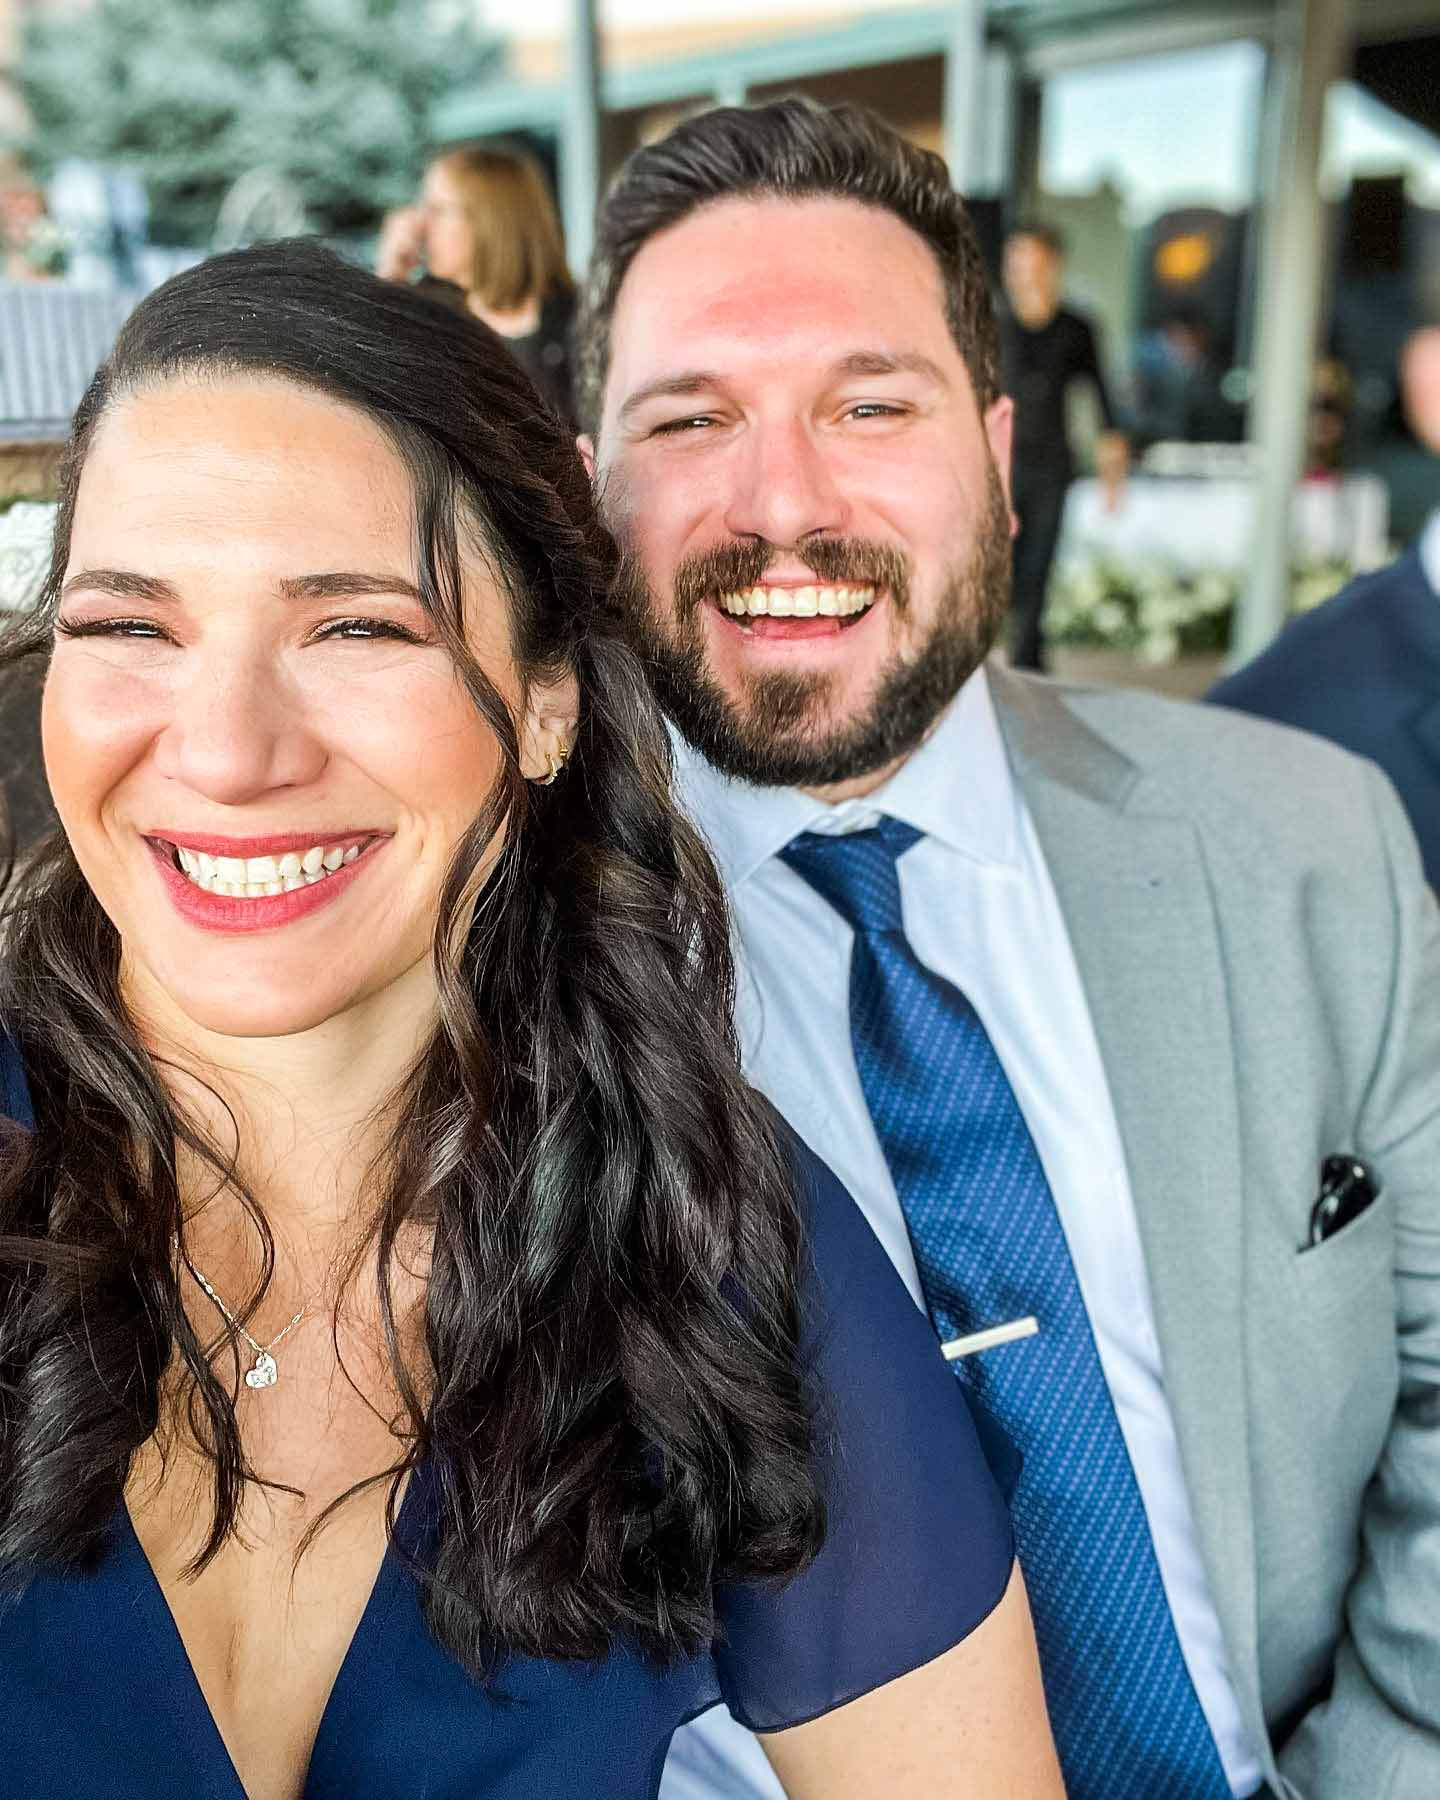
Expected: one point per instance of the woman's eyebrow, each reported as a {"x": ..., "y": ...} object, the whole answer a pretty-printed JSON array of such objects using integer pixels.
[
  {"x": 340, "y": 584},
  {"x": 126, "y": 584}
]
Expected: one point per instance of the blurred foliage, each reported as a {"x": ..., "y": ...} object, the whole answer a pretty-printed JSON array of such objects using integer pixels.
[
  {"x": 1157, "y": 611},
  {"x": 333, "y": 96}
]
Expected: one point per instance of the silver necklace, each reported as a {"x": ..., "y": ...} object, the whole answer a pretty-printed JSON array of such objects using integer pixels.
[{"x": 265, "y": 1373}]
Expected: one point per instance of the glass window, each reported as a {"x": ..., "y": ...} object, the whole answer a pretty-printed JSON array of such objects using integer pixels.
[{"x": 1149, "y": 169}]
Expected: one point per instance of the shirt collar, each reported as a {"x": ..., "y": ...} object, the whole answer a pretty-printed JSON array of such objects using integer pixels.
[{"x": 957, "y": 787}]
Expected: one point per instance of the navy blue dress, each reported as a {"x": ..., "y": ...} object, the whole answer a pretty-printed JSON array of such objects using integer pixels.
[{"x": 98, "y": 1700}]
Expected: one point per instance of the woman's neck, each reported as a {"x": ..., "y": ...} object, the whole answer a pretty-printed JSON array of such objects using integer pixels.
[
  {"x": 305, "y": 1114},
  {"x": 513, "y": 322},
  {"x": 1035, "y": 306}
]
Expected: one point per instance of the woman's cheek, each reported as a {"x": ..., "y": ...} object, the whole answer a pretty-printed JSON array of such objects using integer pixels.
[
  {"x": 96, "y": 720},
  {"x": 412, "y": 727}
]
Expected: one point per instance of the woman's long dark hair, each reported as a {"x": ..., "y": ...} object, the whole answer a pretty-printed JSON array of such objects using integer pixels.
[{"x": 613, "y": 1411}]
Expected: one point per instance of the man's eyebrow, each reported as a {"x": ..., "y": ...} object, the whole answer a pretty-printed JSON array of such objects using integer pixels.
[
  {"x": 887, "y": 362},
  {"x": 858, "y": 362},
  {"x": 125, "y": 584},
  {"x": 692, "y": 381}
]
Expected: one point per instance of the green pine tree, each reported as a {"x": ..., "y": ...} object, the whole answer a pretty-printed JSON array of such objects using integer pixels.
[{"x": 333, "y": 96}]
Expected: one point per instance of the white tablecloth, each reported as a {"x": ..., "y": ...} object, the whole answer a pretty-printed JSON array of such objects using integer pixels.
[{"x": 1209, "y": 524}]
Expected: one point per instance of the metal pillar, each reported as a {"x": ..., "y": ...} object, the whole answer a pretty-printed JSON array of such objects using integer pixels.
[
  {"x": 965, "y": 95},
  {"x": 1023, "y": 187},
  {"x": 580, "y": 137},
  {"x": 1307, "y": 56}
]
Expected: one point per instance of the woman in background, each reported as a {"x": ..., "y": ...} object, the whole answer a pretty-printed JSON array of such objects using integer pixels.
[{"x": 486, "y": 222}]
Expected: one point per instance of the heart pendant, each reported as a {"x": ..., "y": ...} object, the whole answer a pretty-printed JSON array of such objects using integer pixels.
[{"x": 264, "y": 1374}]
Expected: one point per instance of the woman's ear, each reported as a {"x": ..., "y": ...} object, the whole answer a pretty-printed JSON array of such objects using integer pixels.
[{"x": 547, "y": 732}]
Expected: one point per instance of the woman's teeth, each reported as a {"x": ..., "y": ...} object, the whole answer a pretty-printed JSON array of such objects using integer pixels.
[
  {"x": 798, "y": 603},
  {"x": 259, "y": 877}
]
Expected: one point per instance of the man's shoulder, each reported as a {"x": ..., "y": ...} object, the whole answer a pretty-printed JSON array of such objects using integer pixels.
[
  {"x": 1249, "y": 777},
  {"x": 1194, "y": 743},
  {"x": 1158, "y": 731},
  {"x": 1279, "y": 814}
]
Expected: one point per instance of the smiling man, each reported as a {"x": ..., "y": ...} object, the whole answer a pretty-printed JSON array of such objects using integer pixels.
[
  {"x": 1121, "y": 1018},
  {"x": 781, "y": 665}
]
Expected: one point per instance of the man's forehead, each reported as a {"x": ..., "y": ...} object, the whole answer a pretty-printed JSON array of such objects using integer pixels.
[{"x": 764, "y": 279}]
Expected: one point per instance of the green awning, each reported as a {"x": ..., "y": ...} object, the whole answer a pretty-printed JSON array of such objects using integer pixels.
[{"x": 510, "y": 105}]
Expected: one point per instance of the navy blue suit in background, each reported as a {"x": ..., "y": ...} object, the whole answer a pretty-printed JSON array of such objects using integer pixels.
[{"x": 1364, "y": 671}]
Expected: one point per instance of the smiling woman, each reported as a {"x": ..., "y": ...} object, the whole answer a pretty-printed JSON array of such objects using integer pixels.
[{"x": 405, "y": 1308}]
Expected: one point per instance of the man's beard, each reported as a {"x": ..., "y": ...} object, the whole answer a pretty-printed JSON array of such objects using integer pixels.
[{"x": 773, "y": 734}]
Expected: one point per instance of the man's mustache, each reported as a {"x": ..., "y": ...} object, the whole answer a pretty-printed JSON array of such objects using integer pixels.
[{"x": 703, "y": 578}]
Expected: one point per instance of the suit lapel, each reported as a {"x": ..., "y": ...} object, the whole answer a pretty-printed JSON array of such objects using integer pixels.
[{"x": 1136, "y": 898}]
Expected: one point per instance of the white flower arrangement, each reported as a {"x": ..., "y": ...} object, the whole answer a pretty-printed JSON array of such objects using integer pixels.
[
  {"x": 1158, "y": 611},
  {"x": 27, "y": 531}
]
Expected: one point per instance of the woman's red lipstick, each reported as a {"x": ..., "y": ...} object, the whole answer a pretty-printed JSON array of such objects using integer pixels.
[{"x": 226, "y": 913}]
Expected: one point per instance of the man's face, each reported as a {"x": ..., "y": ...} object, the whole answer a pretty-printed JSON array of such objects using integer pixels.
[
  {"x": 792, "y": 456},
  {"x": 1420, "y": 385},
  {"x": 1030, "y": 267}
]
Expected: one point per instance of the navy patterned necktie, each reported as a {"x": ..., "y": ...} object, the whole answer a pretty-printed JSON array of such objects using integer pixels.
[{"x": 990, "y": 1248}]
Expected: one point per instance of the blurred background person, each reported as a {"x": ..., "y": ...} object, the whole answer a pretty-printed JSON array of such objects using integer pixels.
[
  {"x": 1045, "y": 348},
  {"x": 1179, "y": 384},
  {"x": 1331, "y": 398},
  {"x": 486, "y": 222},
  {"x": 31, "y": 247},
  {"x": 1364, "y": 668}
]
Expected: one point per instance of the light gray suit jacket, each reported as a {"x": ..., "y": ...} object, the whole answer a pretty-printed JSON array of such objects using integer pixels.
[{"x": 1261, "y": 957}]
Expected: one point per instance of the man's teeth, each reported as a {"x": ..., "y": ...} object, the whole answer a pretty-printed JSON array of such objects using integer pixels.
[
  {"x": 258, "y": 877},
  {"x": 798, "y": 603}
]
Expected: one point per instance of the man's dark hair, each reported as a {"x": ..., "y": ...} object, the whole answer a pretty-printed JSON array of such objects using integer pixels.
[
  {"x": 1051, "y": 236},
  {"x": 793, "y": 149}
]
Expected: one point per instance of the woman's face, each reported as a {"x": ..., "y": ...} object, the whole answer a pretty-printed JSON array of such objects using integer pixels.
[
  {"x": 449, "y": 240},
  {"x": 261, "y": 753}
]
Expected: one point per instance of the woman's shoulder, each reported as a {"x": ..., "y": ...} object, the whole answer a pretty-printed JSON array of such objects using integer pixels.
[
  {"x": 918, "y": 1548},
  {"x": 860, "y": 1310},
  {"x": 846, "y": 1266}
]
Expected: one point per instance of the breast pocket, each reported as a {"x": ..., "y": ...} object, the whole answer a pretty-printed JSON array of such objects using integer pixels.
[{"x": 1360, "y": 1257}]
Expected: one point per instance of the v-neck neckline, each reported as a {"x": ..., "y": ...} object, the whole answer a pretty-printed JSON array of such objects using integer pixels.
[{"x": 178, "y": 1676}]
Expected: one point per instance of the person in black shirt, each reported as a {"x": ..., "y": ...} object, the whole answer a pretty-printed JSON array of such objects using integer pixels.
[{"x": 1044, "y": 348}]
